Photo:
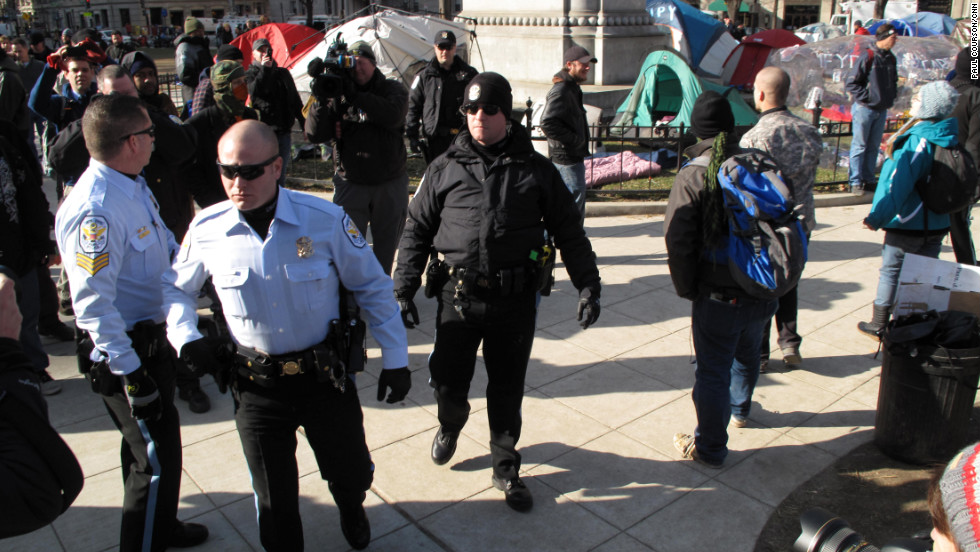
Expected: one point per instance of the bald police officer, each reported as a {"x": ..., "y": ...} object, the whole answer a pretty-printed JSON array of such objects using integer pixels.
[{"x": 277, "y": 259}]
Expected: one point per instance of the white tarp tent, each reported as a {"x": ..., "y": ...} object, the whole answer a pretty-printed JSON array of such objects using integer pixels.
[{"x": 401, "y": 43}]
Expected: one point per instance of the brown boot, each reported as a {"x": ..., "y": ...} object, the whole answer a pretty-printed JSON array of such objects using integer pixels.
[{"x": 878, "y": 321}]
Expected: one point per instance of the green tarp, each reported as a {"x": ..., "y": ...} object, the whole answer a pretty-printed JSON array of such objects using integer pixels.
[
  {"x": 667, "y": 85},
  {"x": 719, "y": 6}
]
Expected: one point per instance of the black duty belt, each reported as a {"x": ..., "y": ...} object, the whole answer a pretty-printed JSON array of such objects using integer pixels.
[{"x": 270, "y": 366}]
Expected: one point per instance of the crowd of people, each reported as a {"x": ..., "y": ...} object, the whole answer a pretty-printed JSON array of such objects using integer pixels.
[{"x": 294, "y": 283}]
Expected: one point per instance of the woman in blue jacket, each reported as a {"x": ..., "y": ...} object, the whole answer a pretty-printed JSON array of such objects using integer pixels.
[{"x": 909, "y": 226}]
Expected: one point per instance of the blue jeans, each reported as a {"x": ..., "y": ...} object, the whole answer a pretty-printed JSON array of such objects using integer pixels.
[
  {"x": 867, "y": 127},
  {"x": 574, "y": 178},
  {"x": 893, "y": 252},
  {"x": 726, "y": 346}
]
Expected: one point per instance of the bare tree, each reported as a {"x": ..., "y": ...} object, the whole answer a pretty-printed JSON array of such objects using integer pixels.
[
  {"x": 308, "y": 4},
  {"x": 732, "y": 7},
  {"x": 880, "y": 9}
]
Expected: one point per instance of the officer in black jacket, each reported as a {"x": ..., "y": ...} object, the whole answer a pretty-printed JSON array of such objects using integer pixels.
[
  {"x": 435, "y": 99},
  {"x": 366, "y": 124},
  {"x": 485, "y": 205}
]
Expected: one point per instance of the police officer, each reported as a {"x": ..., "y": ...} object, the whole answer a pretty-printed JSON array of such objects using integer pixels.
[
  {"x": 366, "y": 125},
  {"x": 116, "y": 249},
  {"x": 485, "y": 206},
  {"x": 435, "y": 99},
  {"x": 277, "y": 258}
]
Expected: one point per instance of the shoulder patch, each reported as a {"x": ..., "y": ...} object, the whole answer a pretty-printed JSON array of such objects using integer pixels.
[
  {"x": 93, "y": 234},
  {"x": 353, "y": 234},
  {"x": 176, "y": 120}
]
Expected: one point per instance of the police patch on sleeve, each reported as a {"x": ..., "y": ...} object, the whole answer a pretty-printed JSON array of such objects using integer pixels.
[
  {"x": 93, "y": 237},
  {"x": 353, "y": 234}
]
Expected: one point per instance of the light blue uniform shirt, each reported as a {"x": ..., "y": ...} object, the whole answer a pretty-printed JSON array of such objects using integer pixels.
[
  {"x": 280, "y": 295},
  {"x": 115, "y": 249}
]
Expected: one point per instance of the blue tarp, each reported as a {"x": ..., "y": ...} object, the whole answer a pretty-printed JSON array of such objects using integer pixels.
[
  {"x": 699, "y": 30},
  {"x": 935, "y": 22},
  {"x": 903, "y": 27}
]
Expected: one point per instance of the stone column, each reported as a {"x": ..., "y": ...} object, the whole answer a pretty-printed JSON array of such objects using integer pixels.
[{"x": 524, "y": 40}]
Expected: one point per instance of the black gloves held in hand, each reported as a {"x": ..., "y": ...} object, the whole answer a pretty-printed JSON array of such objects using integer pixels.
[
  {"x": 399, "y": 380},
  {"x": 406, "y": 305},
  {"x": 588, "y": 306},
  {"x": 209, "y": 355},
  {"x": 144, "y": 398}
]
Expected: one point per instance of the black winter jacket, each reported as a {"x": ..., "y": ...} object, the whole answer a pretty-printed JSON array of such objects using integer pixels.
[
  {"x": 274, "y": 96},
  {"x": 688, "y": 257},
  {"x": 204, "y": 180},
  {"x": 491, "y": 217},
  {"x": 370, "y": 149},
  {"x": 874, "y": 85},
  {"x": 25, "y": 222},
  {"x": 192, "y": 56},
  {"x": 967, "y": 114},
  {"x": 435, "y": 99},
  {"x": 564, "y": 121}
]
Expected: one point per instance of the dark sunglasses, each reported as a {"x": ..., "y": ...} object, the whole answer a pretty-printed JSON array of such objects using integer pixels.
[
  {"x": 445, "y": 46},
  {"x": 151, "y": 132},
  {"x": 472, "y": 109},
  {"x": 247, "y": 172}
]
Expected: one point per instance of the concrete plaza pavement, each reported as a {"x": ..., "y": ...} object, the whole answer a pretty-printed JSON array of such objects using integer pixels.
[{"x": 600, "y": 411}]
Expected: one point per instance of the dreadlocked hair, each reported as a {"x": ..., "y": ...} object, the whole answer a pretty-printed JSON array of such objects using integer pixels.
[{"x": 713, "y": 219}]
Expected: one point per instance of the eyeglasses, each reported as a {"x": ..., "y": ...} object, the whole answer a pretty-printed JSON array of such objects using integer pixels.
[
  {"x": 445, "y": 46},
  {"x": 472, "y": 109},
  {"x": 151, "y": 132},
  {"x": 246, "y": 172}
]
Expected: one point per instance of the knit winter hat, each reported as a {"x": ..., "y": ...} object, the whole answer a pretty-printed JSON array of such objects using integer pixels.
[
  {"x": 960, "y": 493},
  {"x": 490, "y": 88},
  {"x": 711, "y": 115},
  {"x": 937, "y": 100},
  {"x": 192, "y": 24},
  {"x": 227, "y": 51},
  {"x": 224, "y": 72},
  {"x": 363, "y": 49}
]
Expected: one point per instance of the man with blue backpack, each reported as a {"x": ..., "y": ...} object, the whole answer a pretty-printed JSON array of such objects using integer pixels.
[
  {"x": 910, "y": 225},
  {"x": 735, "y": 243}
]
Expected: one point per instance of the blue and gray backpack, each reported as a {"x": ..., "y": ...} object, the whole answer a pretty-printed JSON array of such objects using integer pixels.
[{"x": 767, "y": 244}]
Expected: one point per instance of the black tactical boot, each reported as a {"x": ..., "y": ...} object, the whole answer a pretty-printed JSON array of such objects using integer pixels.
[
  {"x": 443, "y": 446},
  {"x": 878, "y": 321}
]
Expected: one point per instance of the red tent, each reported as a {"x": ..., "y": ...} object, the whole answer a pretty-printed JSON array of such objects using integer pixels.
[
  {"x": 749, "y": 57},
  {"x": 289, "y": 42}
]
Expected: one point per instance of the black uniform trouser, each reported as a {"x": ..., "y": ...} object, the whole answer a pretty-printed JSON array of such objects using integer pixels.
[
  {"x": 507, "y": 333},
  {"x": 383, "y": 205},
  {"x": 436, "y": 146},
  {"x": 959, "y": 234},
  {"x": 151, "y": 462},
  {"x": 267, "y": 419}
]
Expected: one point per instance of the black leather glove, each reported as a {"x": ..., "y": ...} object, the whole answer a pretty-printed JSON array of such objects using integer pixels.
[
  {"x": 588, "y": 306},
  {"x": 406, "y": 305},
  {"x": 399, "y": 380},
  {"x": 209, "y": 355},
  {"x": 415, "y": 145},
  {"x": 144, "y": 398}
]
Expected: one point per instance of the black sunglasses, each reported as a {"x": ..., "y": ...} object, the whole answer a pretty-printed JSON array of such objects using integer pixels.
[
  {"x": 472, "y": 109},
  {"x": 445, "y": 46},
  {"x": 152, "y": 132},
  {"x": 247, "y": 172}
]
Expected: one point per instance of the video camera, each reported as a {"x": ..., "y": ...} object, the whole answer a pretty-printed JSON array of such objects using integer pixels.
[
  {"x": 823, "y": 531},
  {"x": 329, "y": 73}
]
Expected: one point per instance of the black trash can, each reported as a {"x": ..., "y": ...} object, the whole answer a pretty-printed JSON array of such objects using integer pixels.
[{"x": 925, "y": 402}]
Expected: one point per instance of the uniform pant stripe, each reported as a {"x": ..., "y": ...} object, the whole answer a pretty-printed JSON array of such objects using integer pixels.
[{"x": 151, "y": 497}]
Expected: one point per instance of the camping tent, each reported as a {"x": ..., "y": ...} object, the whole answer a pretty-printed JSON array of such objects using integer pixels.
[
  {"x": 402, "y": 44},
  {"x": 819, "y": 31},
  {"x": 289, "y": 42},
  {"x": 699, "y": 38},
  {"x": 825, "y": 66},
  {"x": 936, "y": 22},
  {"x": 904, "y": 28},
  {"x": 750, "y": 56},
  {"x": 667, "y": 86}
]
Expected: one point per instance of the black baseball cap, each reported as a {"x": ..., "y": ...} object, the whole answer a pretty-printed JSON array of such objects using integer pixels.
[
  {"x": 445, "y": 38},
  {"x": 578, "y": 53},
  {"x": 258, "y": 44}
]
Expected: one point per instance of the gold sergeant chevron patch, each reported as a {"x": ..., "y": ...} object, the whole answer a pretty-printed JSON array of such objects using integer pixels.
[{"x": 92, "y": 265}]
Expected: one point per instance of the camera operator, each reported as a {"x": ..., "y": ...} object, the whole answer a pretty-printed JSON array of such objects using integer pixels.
[{"x": 363, "y": 113}]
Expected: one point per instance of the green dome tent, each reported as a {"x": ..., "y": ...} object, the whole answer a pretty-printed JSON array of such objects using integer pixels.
[{"x": 667, "y": 86}]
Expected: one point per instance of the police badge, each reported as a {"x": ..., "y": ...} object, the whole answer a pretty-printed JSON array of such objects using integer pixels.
[
  {"x": 474, "y": 94},
  {"x": 304, "y": 247}
]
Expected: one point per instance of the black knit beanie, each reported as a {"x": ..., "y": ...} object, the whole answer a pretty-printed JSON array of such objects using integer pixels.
[
  {"x": 711, "y": 115},
  {"x": 490, "y": 88}
]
